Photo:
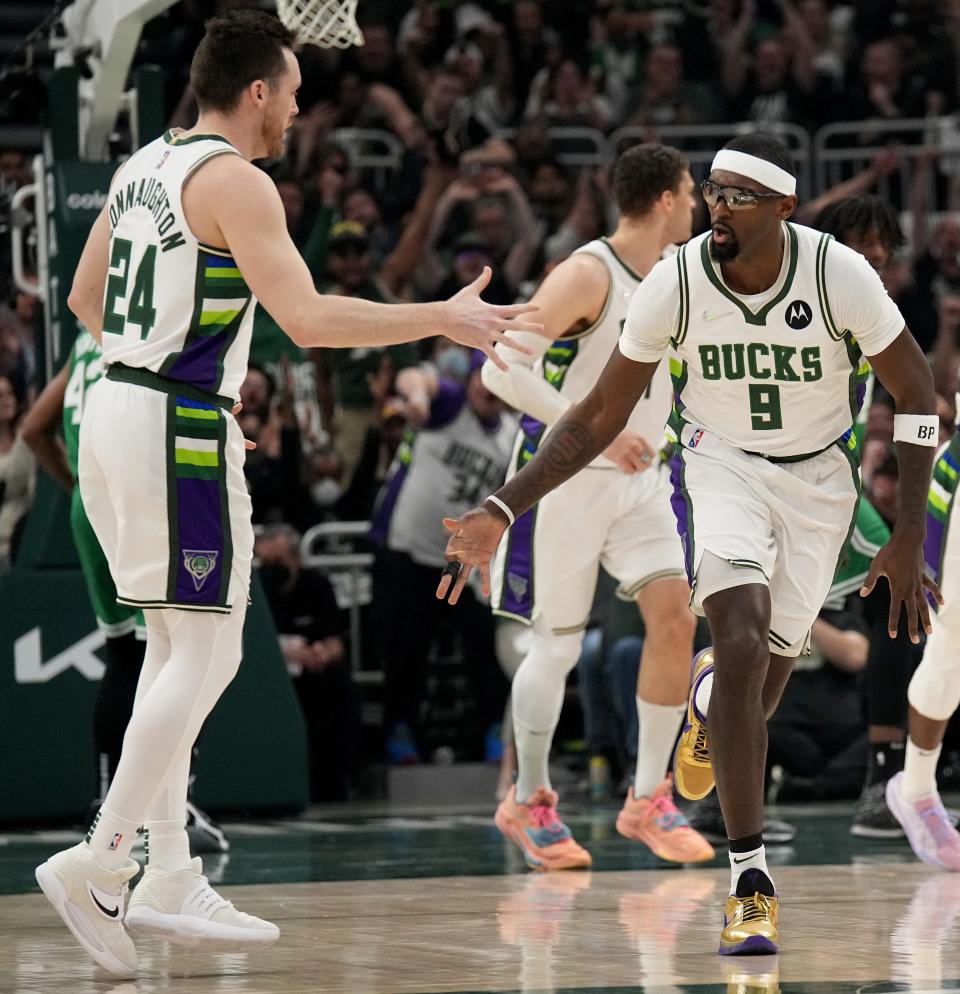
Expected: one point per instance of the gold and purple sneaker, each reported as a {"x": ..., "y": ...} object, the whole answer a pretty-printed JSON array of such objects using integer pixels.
[
  {"x": 750, "y": 918},
  {"x": 692, "y": 770}
]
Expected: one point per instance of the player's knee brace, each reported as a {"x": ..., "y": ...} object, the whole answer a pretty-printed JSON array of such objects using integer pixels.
[
  {"x": 539, "y": 684},
  {"x": 556, "y": 653}
]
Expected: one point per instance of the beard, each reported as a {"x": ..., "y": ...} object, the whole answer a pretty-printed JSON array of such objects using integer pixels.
[
  {"x": 726, "y": 252},
  {"x": 275, "y": 139}
]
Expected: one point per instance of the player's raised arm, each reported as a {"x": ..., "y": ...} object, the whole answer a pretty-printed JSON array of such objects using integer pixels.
[
  {"x": 249, "y": 214},
  {"x": 578, "y": 438},
  {"x": 570, "y": 300},
  {"x": 572, "y": 295}
]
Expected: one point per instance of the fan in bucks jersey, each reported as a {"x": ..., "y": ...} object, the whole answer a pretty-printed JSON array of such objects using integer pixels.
[
  {"x": 190, "y": 237},
  {"x": 615, "y": 513},
  {"x": 769, "y": 322}
]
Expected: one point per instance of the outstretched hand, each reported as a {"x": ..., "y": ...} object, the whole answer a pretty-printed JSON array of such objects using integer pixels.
[
  {"x": 480, "y": 325},
  {"x": 901, "y": 562},
  {"x": 473, "y": 541}
]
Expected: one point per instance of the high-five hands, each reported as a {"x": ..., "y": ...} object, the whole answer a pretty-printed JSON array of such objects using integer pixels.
[
  {"x": 479, "y": 325},
  {"x": 473, "y": 541}
]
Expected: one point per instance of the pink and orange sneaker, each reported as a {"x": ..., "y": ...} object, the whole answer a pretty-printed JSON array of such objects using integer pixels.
[
  {"x": 659, "y": 824},
  {"x": 544, "y": 840}
]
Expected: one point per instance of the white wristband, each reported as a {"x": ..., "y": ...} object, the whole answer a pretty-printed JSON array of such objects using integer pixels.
[
  {"x": 503, "y": 507},
  {"x": 919, "y": 429}
]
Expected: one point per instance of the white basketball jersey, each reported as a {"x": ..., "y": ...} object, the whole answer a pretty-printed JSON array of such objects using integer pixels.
[
  {"x": 783, "y": 379},
  {"x": 574, "y": 364},
  {"x": 172, "y": 304}
]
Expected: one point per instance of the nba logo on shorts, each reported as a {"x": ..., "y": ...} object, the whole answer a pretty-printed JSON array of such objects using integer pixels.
[
  {"x": 115, "y": 841},
  {"x": 695, "y": 439}
]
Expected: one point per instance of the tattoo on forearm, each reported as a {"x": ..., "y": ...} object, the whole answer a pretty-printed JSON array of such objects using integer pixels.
[{"x": 567, "y": 449}]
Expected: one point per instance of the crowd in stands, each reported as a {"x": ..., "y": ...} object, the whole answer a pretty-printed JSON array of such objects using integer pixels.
[{"x": 473, "y": 91}]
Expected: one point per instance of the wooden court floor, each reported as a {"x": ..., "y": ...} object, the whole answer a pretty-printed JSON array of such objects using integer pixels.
[{"x": 405, "y": 902}]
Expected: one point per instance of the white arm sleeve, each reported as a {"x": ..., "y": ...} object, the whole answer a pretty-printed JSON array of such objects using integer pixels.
[
  {"x": 523, "y": 387},
  {"x": 857, "y": 300},
  {"x": 653, "y": 314}
]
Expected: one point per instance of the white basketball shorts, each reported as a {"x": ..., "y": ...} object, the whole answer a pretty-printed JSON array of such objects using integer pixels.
[
  {"x": 548, "y": 562},
  {"x": 782, "y": 523},
  {"x": 161, "y": 478}
]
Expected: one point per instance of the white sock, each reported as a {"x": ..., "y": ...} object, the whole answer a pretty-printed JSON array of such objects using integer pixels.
[
  {"x": 756, "y": 859},
  {"x": 919, "y": 772},
  {"x": 111, "y": 838},
  {"x": 166, "y": 845},
  {"x": 659, "y": 724},
  {"x": 702, "y": 697},
  {"x": 537, "y": 700},
  {"x": 533, "y": 755}
]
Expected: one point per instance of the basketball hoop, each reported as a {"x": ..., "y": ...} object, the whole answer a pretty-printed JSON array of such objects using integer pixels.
[{"x": 327, "y": 23}]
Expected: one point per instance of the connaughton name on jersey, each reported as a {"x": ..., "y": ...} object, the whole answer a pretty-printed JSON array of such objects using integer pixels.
[{"x": 148, "y": 193}]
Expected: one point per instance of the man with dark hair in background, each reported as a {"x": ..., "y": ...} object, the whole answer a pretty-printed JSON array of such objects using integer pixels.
[{"x": 547, "y": 573}]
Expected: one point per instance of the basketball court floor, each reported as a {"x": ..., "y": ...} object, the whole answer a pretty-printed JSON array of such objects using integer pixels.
[{"x": 403, "y": 901}]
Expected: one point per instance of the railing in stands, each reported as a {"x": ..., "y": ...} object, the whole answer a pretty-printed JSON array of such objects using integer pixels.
[
  {"x": 845, "y": 148},
  {"x": 332, "y": 548},
  {"x": 832, "y": 154},
  {"x": 373, "y": 149}
]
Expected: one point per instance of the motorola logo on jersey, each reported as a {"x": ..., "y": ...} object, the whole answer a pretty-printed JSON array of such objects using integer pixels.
[{"x": 799, "y": 315}]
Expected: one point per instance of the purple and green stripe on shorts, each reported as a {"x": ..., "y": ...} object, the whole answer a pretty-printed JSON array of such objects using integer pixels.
[{"x": 201, "y": 550}]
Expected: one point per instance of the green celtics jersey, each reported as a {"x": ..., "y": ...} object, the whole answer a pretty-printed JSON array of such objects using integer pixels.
[
  {"x": 869, "y": 535},
  {"x": 85, "y": 366}
]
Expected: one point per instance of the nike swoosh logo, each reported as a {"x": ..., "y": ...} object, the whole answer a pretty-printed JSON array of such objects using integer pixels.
[
  {"x": 739, "y": 861},
  {"x": 109, "y": 912},
  {"x": 713, "y": 317}
]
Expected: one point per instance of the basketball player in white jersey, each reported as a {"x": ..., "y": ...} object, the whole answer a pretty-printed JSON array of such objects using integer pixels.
[
  {"x": 616, "y": 513},
  {"x": 934, "y": 690},
  {"x": 769, "y": 322},
  {"x": 191, "y": 236}
]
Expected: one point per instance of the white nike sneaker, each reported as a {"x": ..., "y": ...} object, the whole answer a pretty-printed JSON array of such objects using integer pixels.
[
  {"x": 90, "y": 901},
  {"x": 181, "y": 906}
]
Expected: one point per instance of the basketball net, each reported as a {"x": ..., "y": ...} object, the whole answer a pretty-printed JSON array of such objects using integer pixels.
[{"x": 328, "y": 23}]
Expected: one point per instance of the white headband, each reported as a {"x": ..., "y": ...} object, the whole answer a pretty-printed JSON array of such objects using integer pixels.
[{"x": 771, "y": 176}]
